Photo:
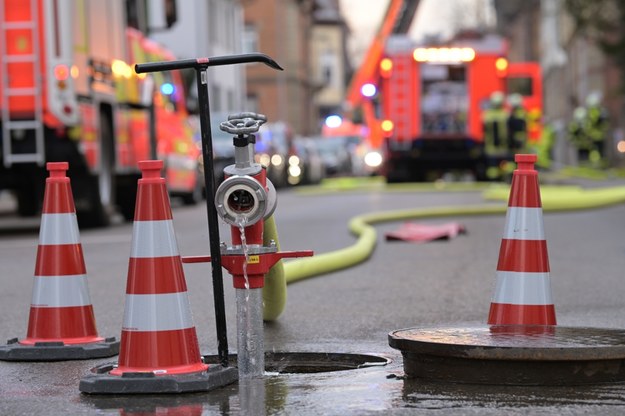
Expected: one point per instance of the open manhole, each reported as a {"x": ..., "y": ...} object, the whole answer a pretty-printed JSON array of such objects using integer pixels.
[{"x": 310, "y": 362}]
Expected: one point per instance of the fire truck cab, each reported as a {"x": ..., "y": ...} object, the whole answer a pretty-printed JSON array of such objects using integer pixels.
[
  {"x": 68, "y": 92},
  {"x": 431, "y": 100}
]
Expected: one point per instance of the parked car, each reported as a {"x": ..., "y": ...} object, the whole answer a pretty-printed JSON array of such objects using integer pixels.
[
  {"x": 223, "y": 147},
  {"x": 306, "y": 165},
  {"x": 334, "y": 151},
  {"x": 366, "y": 161},
  {"x": 274, "y": 145}
]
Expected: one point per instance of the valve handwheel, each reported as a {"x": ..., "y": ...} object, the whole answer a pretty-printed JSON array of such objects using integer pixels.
[{"x": 243, "y": 123}]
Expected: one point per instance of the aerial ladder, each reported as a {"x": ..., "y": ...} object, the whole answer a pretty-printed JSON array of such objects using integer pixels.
[{"x": 397, "y": 20}]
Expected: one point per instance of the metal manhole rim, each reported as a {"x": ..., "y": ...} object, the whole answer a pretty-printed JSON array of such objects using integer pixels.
[
  {"x": 283, "y": 362},
  {"x": 530, "y": 352}
]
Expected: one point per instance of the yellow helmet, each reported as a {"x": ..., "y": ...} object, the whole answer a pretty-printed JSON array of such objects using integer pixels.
[
  {"x": 497, "y": 98},
  {"x": 594, "y": 99},
  {"x": 515, "y": 100}
]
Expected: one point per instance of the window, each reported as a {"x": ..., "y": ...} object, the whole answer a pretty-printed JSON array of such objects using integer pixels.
[
  {"x": 521, "y": 86},
  {"x": 327, "y": 63},
  {"x": 445, "y": 99},
  {"x": 250, "y": 38},
  {"x": 215, "y": 98},
  {"x": 230, "y": 100},
  {"x": 251, "y": 103},
  {"x": 213, "y": 18},
  {"x": 132, "y": 20}
]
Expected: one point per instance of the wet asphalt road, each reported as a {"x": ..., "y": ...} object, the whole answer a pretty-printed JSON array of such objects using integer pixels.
[{"x": 349, "y": 311}]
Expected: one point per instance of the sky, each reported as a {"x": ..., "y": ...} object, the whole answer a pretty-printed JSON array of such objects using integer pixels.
[{"x": 433, "y": 16}]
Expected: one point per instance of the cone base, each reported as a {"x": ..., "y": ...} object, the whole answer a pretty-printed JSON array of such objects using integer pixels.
[
  {"x": 181, "y": 369},
  {"x": 65, "y": 341},
  {"x": 102, "y": 382},
  {"x": 58, "y": 351},
  {"x": 520, "y": 355}
]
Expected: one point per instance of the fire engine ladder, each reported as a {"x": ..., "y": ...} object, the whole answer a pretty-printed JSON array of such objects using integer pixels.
[
  {"x": 401, "y": 107},
  {"x": 12, "y": 128}
]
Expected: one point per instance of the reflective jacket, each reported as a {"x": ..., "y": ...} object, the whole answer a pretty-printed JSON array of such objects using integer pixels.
[
  {"x": 496, "y": 141},
  {"x": 517, "y": 128}
]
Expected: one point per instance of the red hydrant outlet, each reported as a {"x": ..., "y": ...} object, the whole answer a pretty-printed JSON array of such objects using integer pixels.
[{"x": 244, "y": 200}]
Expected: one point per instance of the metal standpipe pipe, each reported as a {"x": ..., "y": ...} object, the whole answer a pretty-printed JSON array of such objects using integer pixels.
[
  {"x": 241, "y": 201},
  {"x": 245, "y": 200}
]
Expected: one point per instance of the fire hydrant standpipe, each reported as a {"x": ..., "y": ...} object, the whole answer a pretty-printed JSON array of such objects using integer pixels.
[
  {"x": 200, "y": 65},
  {"x": 241, "y": 200},
  {"x": 244, "y": 200}
]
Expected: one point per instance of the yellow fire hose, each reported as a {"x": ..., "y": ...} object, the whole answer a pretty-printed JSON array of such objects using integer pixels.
[{"x": 274, "y": 291}]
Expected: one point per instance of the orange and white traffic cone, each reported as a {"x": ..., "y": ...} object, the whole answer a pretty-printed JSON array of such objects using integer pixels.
[
  {"x": 158, "y": 334},
  {"x": 523, "y": 290},
  {"x": 61, "y": 325},
  {"x": 159, "y": 350}
]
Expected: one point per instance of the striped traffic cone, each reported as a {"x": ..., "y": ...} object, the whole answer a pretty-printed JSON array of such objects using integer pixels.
[
  {"x": 158, "y": 334},
  {"x": 523, "y": 290},
  {"x": 159, "y": 350},
  {"x": 61, "y": 324}
]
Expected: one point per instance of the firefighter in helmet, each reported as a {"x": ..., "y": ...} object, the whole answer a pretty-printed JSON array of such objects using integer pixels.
[
  {"x": 517, "y": 123},
  {"x": 578, "y": 134},
  {"x": 597, "y": 127},
  {"x": 496, "y": 140},
  {"x": 544, "y": 146}
]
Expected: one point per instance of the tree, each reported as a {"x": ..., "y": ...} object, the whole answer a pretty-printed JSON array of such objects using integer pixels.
[{"x": 604, "y": 22}]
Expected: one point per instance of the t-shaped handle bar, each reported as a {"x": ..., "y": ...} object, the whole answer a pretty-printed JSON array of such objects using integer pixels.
[{"x": 203, "y": 63}]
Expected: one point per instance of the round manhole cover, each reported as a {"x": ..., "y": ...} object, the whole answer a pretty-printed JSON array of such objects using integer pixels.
[
  {"x": 513, "y": 354},
  {"x": 311, "y": 362}
]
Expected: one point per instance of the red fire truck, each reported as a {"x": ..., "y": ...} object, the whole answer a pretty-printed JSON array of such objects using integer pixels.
[
  {"x": 68, "y": 93},
  {"x": 429, "y": 103}
]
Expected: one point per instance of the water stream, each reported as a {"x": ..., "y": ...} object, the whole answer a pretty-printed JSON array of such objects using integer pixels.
[
  {"x": 250, "y": 337},
  {"x": 241, "y": 222}
]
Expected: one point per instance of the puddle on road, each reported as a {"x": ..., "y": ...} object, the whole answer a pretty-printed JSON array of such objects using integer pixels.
[
  {"x": 433, "y": 395},
  {"x": 374, "y": 384}
]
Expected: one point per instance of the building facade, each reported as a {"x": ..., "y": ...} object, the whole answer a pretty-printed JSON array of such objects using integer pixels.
[
  {"x": 330, "y": 65},
  {"x": 281, "y": 29},
  {"x": 207, "y": 28},
  {"x": 573, "y": 65},
  {"x": 306, "y": 37}
]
